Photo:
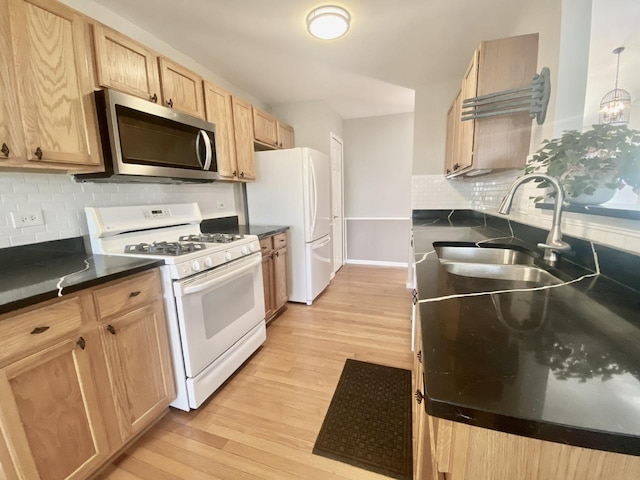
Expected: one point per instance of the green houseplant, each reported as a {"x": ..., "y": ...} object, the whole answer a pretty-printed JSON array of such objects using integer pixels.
[{"x": 606, "y": 156}]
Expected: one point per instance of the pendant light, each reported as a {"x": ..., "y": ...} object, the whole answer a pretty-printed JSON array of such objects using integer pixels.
[
  {"x": 328, "y": 22},
  {"x": 615, "y": 106}
]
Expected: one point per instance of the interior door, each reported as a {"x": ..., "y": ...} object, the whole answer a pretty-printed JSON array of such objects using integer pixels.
[{"x": 336, "y": 203}]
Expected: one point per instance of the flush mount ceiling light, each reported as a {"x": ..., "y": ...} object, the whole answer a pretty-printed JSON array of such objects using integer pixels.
[
  {"x": 616, "y": 104},
  {"x": 328, "y": 22}
]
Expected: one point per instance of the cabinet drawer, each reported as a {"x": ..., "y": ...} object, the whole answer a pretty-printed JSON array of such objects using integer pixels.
[
  {"x": 31, "y": 330},
  {"x": 279, "y": 241},
  {"x": 266, "y": 244},
  {"x": 128, "y": 294}
]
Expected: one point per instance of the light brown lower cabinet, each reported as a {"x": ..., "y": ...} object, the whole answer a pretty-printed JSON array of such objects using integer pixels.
[
  {"x": 76, "y": 388},
  {"x": 274, "y": 274}
]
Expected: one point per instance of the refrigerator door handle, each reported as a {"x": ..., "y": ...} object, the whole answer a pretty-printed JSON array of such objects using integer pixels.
[
  {"x": 320, "y": 245},
  {"x": 314, "y": 212}
]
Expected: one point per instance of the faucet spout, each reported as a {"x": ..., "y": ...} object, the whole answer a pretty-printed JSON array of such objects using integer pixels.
[{"x": 554, "y": 243}]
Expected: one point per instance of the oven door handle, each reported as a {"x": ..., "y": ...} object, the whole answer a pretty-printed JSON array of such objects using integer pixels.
[{"x": 206, "y": 283}]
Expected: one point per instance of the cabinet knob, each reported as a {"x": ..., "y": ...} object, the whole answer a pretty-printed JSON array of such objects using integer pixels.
[
  {"x": 419, "y": 396},
  {"x": 154, "y": 98},
  {"x": 414, "y": 297},
  {"x": 39, "y": 330},
  {"x": 235, "y": 173},
  {"x": 456, "y": 166},
  {"x": 111, "y": 330},
  {"x": 448, "y": 170},
  {"x": 277, "y": 254},
  {"x": 280, "y": 144},
  {"x": 38, "y": 153},
  {"x": 5, "y": 150},
  {"x": 135, "y": 294},
  {"x": 81, "y": 343},
  {"x": 241, "y": 174},
  {"x": 170, "y": 103},
  {"x": 419, "y": 355}
]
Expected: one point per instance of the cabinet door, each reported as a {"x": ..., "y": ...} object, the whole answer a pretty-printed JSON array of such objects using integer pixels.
[
  {"x": 220, "y": 112},
  {"x": 49, "y": 413},
  {"x": 125, "y": 65},
  {"x": 243, "y": 132},
  {"x": 54, "y": 82},
  {"x": 267, "y": 281},
  {"x": 285, "y": 136},
  {"x": 280, "y": 277},
  {"x": 467, "y": 128},
  {"x": 11, "y": 138},
  {"x": 139, "y": 366},
  {"x": 452, "y": 135},
  {"x": 181, "y": 88},
  {"x": 265, "y": 127}
]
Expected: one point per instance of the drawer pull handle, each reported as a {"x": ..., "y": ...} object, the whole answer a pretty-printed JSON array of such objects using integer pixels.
[
  {"x": 81, "y": 343},
  {"x": 38, "y": 330},
  {"x": 135, "y": 294},
  {"x": 111, "y": 330},
  {"x": 419, "y": 396}
]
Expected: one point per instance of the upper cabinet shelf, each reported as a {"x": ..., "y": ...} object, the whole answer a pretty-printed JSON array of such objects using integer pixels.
[{"x": 479, "y": 146}]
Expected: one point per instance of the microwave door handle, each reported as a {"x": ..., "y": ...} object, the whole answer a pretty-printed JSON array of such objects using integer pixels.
[
  {"x": 198, "y": 149},
  {"x": 207, "y": 150}
]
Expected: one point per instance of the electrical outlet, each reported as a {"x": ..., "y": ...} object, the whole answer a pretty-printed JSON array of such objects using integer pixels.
[
  {"x": 27, "y": 219},
  {"x": 220, "y": 204}
]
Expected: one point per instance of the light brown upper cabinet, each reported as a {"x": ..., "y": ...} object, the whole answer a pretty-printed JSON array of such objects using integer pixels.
[
  {"x": 125, "y": 65},
  {"x": 285, "y": 136},
  {"x": 48, "y": 115},
  {"x": 269, "y": 132},
  {"x": 498, "y": 142},
  {"x": 243, "y": 134},
  {"x": 265, "y": 128},
  {"x": 219, "y": 111},
  {"x": 181, "y": 88}
]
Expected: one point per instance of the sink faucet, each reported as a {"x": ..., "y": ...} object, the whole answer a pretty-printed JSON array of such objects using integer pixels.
[{"x": 554, "y": 243}]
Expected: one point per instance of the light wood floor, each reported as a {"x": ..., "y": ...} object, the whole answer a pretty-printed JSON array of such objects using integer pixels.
[{"x": 263, "y": 422}]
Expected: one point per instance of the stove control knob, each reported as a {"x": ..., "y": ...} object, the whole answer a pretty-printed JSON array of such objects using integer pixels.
[
  {"x": 244, "y": 250},
  {"x": 208, "y": 262},
  {"x": 196, "y": 266},
  {"x": 252, "y": 247},
  {"x": 227, "y": 255}
]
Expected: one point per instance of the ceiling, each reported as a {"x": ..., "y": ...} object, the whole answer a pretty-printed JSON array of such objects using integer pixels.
[{"x": 393, "y": 46}]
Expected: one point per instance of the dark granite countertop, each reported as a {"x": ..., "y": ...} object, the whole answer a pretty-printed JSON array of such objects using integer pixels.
[
  {"x": 34, "y": 273},
  {"x": 230, "y": 225},
  {"x": 561, "y": 364}
]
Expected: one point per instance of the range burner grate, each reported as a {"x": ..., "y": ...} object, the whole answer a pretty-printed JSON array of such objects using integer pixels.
[
  {"x": 212, "y": 237},
  {"x": 165, "y": 248}
]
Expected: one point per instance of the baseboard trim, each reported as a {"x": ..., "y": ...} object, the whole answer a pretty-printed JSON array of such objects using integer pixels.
[{"x": 376, "y": 263}]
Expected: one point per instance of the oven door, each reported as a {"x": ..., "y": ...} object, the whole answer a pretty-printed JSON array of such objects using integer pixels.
[{"x": 217, "y": 308}]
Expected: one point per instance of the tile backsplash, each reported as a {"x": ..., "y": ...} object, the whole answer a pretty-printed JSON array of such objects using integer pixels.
[
  {"x": 485, "y": 194},
  {"x": 62, "y": 202}
]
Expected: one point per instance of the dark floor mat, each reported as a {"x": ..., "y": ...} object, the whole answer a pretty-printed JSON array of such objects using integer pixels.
[{"x": 368, "y": 423}]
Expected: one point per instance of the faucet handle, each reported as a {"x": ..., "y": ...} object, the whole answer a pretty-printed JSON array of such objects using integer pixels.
[{"x": 557, "y": 246}]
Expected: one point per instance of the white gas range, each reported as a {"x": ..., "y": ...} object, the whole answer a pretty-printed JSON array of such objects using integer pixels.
[{"x": 212, "y": 284}]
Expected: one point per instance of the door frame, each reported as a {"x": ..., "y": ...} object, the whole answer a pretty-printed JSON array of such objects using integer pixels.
[{"x": 334, "y": 137}]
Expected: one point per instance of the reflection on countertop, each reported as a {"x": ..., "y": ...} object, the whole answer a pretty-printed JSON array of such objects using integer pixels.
[{"x": 559, "y": 364}]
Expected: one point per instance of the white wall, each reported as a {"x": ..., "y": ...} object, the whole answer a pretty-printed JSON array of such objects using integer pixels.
[
  {"x": 62, "y": 202},
  {"x": 378, "y": 157},
  {"x": 312, "y": 121}
]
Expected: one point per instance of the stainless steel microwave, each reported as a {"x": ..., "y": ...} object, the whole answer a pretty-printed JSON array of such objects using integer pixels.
[{"x": 145, "y": 142}]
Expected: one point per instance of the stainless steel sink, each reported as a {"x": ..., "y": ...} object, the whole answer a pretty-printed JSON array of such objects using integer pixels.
[{"x": 493, "y": 263}]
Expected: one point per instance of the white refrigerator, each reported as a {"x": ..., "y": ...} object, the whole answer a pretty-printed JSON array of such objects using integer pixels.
[{"x": 293, "y": 188}]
